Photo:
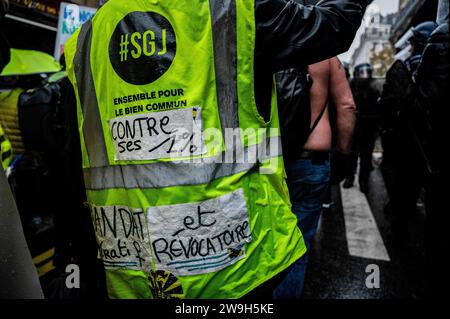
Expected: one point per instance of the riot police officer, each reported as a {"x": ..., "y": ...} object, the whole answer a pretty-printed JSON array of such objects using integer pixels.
[
  {"x": 366, "y": 94},
  {"x": 420, "y": 36},
  {"x": 432, "y": 81},
  {"x": 404, "y": 159}
]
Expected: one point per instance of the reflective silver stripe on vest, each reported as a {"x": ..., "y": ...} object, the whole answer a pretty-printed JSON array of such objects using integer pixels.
[
  {"x": 92, "y": 128},
  {"x": 166, "y": 174},
  {"x": 223, "y": 16}
]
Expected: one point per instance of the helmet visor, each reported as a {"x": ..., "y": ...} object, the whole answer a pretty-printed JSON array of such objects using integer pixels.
[{"x": 364, "y": 72}]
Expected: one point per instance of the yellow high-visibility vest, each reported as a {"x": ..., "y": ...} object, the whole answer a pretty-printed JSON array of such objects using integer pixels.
[
  {"x": 6, "y": 153},
  {"x": 178, "y": 214},
  {"x": 9, "y": 118}
]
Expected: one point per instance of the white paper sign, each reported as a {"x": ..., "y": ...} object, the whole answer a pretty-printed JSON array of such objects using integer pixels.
[
  {"x": 198, "y": 238},
  {"x": 122, "y": 239},
  {"x": 154, "y": 135}
]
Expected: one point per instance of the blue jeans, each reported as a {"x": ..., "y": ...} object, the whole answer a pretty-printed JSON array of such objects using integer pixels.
[{"x": 308, "y": 183}]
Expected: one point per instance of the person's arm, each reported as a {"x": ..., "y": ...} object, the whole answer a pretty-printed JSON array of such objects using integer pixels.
[
  {"x": 289, "y": 34},
  {"x": 18, "y": 276},
  {"x": 345, "y": 106}
]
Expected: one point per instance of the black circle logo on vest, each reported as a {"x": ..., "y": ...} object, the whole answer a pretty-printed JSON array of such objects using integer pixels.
[{"x": 142, "y": 47}]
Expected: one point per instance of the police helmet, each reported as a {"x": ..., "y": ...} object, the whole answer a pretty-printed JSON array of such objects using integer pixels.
[
  {"x": 422, "y": 32},
  {"x": 363, "y": 71}
]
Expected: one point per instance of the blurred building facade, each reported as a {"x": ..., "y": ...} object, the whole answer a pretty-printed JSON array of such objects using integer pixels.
[{"x": 374, "y": 40}]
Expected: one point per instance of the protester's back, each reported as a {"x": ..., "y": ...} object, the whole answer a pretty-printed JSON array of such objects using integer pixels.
[{"x": 178, "y": 91}]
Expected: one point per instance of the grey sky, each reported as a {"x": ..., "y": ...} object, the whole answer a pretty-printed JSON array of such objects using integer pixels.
[{"x": 385, "y": 7}]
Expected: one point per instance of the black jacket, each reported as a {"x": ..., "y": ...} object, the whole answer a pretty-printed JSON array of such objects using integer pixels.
[
  {"x": 289, "y": 35},
  {"x": 432, "y": 76},
  {"x": 432, "y": 82}
]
